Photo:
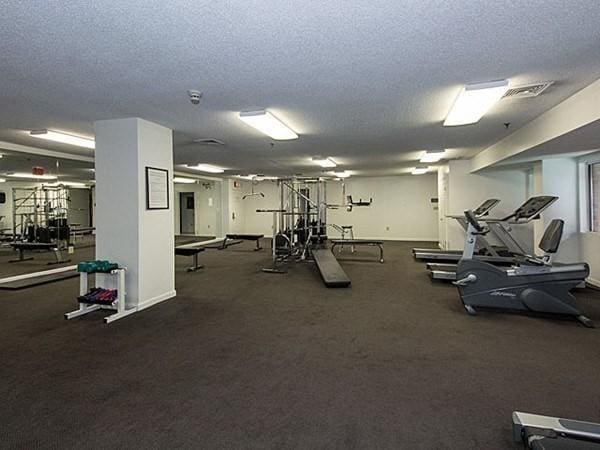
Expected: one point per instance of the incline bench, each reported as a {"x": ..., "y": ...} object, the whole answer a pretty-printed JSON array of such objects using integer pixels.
[
  {"x": 356, "y": 242},
  {"x": 22, "y": 247},
  {"x": 182, "y": 251},
  {"x": 244, "y": 237},
  {"x": 332, "y": 273}
]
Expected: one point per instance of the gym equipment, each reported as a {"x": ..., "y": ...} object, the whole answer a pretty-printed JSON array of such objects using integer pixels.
[
  {"x": 22, "y": 247},
  {"x": 113, "y": 300},
  {"x": 482, "y": 210},
  {"x": 356, "y": 242},
  {"x": 537, "y": 285},
  {"x": 252, "y": 193},
  {"x": 351, "y": 204},
  {"x": 501, "y": 228},
  {"x": 545, "y": 432},
  {"x": 193, "y": 252},
  {"x": 243, "y": 237},
  {"x": 332, "y": 273}
]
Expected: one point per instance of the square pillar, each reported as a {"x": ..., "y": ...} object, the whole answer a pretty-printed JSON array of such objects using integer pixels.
[{"x": 140, "y": 239}]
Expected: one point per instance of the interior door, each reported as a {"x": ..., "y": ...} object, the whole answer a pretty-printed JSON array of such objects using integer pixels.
[{"x": 187, "y": 211}]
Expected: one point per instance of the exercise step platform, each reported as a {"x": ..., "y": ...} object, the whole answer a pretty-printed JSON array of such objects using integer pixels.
[{"x": 332, "y": 273}]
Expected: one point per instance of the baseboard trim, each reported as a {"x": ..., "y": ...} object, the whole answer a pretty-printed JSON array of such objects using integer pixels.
[
  {"x": 153, "y": 301},
  {"x": 592, "y": 281}
]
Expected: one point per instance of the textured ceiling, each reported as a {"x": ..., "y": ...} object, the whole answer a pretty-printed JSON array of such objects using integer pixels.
[{"x": 365, "y": 82}]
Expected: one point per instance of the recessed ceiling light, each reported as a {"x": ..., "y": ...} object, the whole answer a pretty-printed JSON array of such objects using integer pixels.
[
  {"x": 419, "y": 170},
  {"x": 324, "y": 162},
  {"x": 183, "y": 180},
  {"x": 342, "y": 174},
  {"x": 2, "y": 180},
  {"x": 206, "y": 168},
  {"x": 474, "y": 101},
  {"x": 31, "y": 176},
  {"x": 432, "y": 156},
  {"x": 63, "y": 138},
  {"x": 267, "y": 123}
]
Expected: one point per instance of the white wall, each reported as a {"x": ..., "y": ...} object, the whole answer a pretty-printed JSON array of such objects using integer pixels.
[
  {"x": 467, "y": 190},
  {"x": 559, "y": 177},
  {"x": 401, "y": 209},
  {"x": 207, "y": 207}
]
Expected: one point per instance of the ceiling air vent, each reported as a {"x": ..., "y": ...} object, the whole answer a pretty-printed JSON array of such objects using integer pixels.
[
  {"x": 529, "y": 90},
  {"x": 208, "y": 141}
]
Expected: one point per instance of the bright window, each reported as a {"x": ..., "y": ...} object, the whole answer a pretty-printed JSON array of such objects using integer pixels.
[{"x": 594, "y": 171}]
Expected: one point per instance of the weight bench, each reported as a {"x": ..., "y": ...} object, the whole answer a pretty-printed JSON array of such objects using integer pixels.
[
  {"x": 357, "y": 242},
  {"x": 244, "y": 237},
  {"x": 22, "y": 247},
  {"x": 332, "y": 273},
  {"x": 191, "y": 252}
]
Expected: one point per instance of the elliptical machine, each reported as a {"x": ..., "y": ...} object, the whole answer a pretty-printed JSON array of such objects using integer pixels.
[{"x": 537, "y": 285}]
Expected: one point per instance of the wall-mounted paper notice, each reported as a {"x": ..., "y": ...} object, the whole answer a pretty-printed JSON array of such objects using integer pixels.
[{"x": 157, "y": 188}]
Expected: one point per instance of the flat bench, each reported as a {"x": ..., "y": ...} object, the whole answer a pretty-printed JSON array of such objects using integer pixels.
[
  {"x": 244, "y": 237},
  {"x": 22, "y": 247},
  {"x": 332, "y": 273},
  {"x": 191, "y": 252},
  {"x": 356, "y": 242}
]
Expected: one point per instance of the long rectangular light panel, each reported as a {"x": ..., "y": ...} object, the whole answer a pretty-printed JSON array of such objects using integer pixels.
[
  {"x": 324, "y": 162},
  {"x": 432, "y": 156},
  {"x": 183, "y": 180},
  {"x": 207, "y": 168},
  {"x": 268, "y": 124},
  {"x": 474, "y": 101},
  {"x": 31, "y": 176},
  {"x": 63, "y": 138}
]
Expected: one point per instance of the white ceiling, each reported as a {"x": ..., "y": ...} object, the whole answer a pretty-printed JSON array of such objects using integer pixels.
[{"x": 365, "y": 82}]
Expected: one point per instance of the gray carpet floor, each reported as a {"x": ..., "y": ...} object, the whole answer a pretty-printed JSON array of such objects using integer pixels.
[{"x": 244, "y": 359}]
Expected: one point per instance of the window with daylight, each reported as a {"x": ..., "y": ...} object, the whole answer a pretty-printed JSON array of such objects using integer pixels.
[{"x": 594, "y": 174}]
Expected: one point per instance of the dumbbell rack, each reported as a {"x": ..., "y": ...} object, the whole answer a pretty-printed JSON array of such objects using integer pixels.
[{"x": 118, "y": 305}]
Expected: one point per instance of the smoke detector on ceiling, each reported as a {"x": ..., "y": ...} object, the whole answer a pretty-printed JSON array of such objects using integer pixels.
[
  {"x": 208, "y": 141},
  {"x": 528, "y": 90}
]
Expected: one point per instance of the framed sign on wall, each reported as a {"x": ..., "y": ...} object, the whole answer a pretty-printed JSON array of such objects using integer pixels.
[{"x": 157, "y": 188}]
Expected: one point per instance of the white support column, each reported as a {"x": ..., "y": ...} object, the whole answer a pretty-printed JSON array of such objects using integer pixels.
[{"x": 126, "y": 232}]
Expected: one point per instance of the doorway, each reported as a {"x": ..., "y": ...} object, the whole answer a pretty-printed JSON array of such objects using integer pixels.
[{"x": 187, "y": 216}]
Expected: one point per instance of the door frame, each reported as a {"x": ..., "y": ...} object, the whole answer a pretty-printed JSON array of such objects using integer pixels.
[{"x": 181, "y": 195}]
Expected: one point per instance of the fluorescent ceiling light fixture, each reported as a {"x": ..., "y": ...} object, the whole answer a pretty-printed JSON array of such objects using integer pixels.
[
  {"x": 342, "y": 174},
  {"x": 2, "y": 180},
  {"x": 32, "y": 176},
  {"x": 207, "y": 168},
  {"x": 183, "y": 180},
  {"x": 267, "y": 123},
  {"x": 324, "y": 162},
  {"x": 419, "y": 170},
  {"x": 432, "y": 156},
  {"x": 63, "y": 138},
  {"x": 474, "y": 101}
]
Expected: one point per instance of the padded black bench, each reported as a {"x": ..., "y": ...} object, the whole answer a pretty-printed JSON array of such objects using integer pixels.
[
  {"x": 356, "y": 242},
  {"x": 244, "y": 237},
  {"x": 191, "y": 252},
  {"x": 22, "y": 247},
  {"x": 332, "y": 273}
]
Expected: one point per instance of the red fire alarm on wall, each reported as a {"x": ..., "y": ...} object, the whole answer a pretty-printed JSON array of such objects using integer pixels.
[{"x": 37, "y": 170}]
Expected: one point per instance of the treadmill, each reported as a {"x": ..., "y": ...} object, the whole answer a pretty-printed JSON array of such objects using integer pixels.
[
  {"x": 547, "y": 433},
  {"x": 482, "y": 210},
  {"x": 501, "y": 228}
]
